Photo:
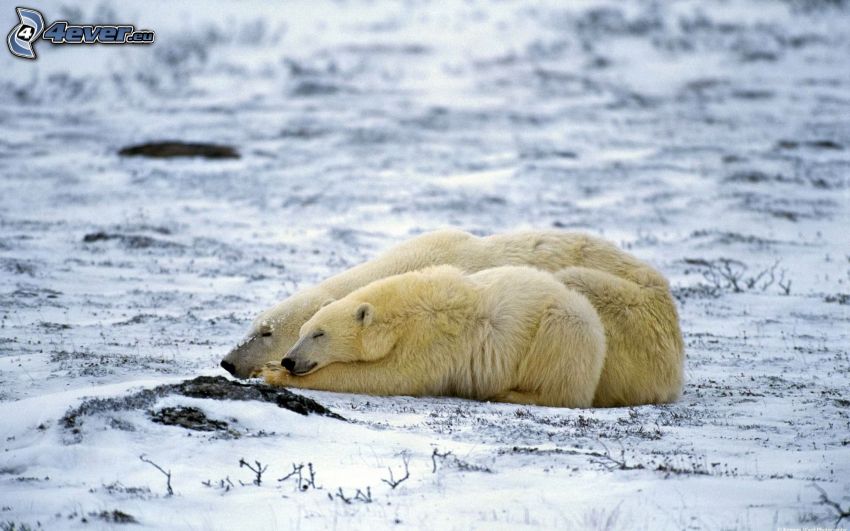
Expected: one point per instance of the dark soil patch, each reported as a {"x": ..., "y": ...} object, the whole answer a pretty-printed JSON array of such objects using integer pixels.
[
  {"x": 813, "y": 144},
  {"x": 220, "y": 388},
  {"x": 190, "y": 418},
  {"x": 172, "y": 149},
  {"x": 54, "y": 327},
  {"x": 211, "y": 387},
  {"x": 717, "y": 237},
  {"x": 130, "y": 241},
  {"x": 759, "y": 177},
  {"x": 115, "y": 516},
  {"x": 839, "y": 298}
]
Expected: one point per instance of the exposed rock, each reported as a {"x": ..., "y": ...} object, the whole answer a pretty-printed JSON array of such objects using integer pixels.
[
  {"x": 171, "y": 149},
  {"x": 211, "y": 387}
]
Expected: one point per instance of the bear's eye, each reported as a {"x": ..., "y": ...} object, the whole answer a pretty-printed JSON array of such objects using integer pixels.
[
  {"x": 317, "y": 335},
  {"x": 266, "y": 334}
]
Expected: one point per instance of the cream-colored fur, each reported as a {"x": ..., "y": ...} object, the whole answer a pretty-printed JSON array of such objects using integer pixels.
[
  {"x": 645, "y": 357},
  {"x": 513, "y": 334},
  {"x": 276, "y": 330}
]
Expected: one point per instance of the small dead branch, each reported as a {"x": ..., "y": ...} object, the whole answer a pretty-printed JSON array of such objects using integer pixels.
[
  {"x": 766, "y": 276},
  {"x": 392, "y": 482},
  {"x": 825, "y": 500},
  {"x": 223, "y": 484},
  {"x": 784, "y": 284},
  {"x": 434, "y": 455},
  {"x": 167, "y": 475},
  {"x": 339, "y": 494},
  {"x": 448, "y": 459},
  {"x": 296, "y": 469},
  {"x": 612, "y": 463},
  {"x": 302, "y": 482},
  {"x": 725, "y": 274},
  {"x": 312, "y": 481},
  {"x": 258, "y": 471},
  {"x": 365, "y": 497}
]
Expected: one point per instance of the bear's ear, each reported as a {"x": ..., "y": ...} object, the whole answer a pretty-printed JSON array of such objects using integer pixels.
[
  {"x": 327, "y": 301},
  {"x": 365, "y": 313}
]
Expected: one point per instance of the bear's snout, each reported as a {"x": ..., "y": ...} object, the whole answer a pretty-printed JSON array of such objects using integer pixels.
[
  {"x": 297, "y": 361},
  {"x": 297, "y": 366},
  {"x": 229, "y": 367}
]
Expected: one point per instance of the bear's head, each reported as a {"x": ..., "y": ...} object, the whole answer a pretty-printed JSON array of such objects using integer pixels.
[
  {"x": 272, "y": 334},
  {"x": 343, "y": 331},
  {"x": 367, "y": 324}
]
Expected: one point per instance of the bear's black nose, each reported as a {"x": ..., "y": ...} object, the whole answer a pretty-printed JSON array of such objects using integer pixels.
[
  {"x": 288, "y": 364},
  {"x": 229, "y": 367}
]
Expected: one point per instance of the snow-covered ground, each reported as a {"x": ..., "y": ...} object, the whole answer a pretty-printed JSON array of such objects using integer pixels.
[{"x": 712, "y": 139}]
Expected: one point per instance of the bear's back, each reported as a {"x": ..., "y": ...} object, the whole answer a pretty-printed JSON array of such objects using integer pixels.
[{"x": 512, "y": 298}]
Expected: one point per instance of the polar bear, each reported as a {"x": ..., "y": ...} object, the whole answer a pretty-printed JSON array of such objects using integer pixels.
[
  {"x": 275, "y": 331},
  {"x": 509, "y": 334}
]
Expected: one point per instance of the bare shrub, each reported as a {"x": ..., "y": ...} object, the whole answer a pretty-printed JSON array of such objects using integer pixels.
[
  {"x": 840, "y": 512},
  {"x": 258, "y": 469},
  {"x": 728, "y": 275},
  {"x": 167, "y": 475},
  {"x": 392, "y": 482}
]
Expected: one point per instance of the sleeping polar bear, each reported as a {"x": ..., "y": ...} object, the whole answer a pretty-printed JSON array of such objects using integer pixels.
[{"x": 510, "y": 334}]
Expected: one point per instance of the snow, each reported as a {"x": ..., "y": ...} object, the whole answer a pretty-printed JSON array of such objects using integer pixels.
[{"x": 686, "y": 132}]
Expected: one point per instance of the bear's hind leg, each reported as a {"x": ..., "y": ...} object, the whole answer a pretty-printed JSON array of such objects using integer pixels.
[{"x": 564, "y": 364}]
